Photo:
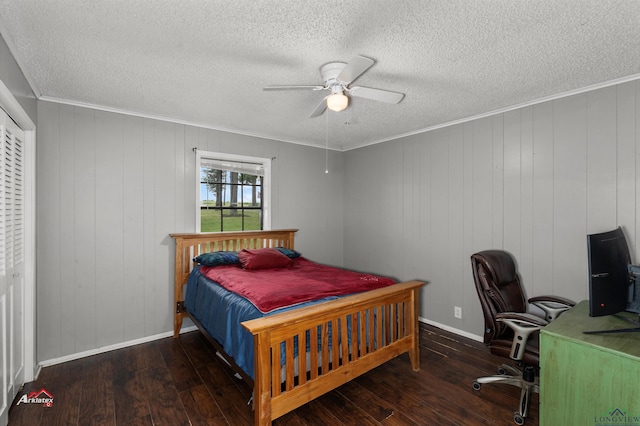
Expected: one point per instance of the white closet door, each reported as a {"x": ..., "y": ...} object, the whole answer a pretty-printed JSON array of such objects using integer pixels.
[{"x": 11, "y": 263}]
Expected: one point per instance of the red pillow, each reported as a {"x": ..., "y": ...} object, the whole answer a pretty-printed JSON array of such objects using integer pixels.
[{"x": 263, "y": 258}]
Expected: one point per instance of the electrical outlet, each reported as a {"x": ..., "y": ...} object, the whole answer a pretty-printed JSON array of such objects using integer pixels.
[{"x": 457, "y": 312}]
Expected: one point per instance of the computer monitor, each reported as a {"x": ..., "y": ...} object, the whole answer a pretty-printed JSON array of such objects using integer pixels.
[{"x": 609, "y": 274}]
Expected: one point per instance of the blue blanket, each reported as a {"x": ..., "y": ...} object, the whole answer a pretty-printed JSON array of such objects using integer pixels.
[{"x": 220, "y": 312}]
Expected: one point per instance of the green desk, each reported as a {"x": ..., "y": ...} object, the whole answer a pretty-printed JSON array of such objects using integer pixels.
[{"x": 591, "y": 380}]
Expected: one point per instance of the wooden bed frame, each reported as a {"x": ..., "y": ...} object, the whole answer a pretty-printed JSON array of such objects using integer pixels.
[{"x": 383, "y": 324}]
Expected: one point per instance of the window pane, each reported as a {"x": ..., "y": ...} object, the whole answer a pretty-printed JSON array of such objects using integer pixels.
[
  {"x": 230, "y": 200},
  {"x": 210, "y": 220},
  {"x": 207, "y": 195}
]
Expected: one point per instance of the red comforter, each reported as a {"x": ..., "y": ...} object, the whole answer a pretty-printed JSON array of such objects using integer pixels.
[{"x": 303, "y": 281}]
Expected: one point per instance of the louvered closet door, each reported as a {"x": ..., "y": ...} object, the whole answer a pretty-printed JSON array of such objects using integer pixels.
[{"x": 11, "y": 263}]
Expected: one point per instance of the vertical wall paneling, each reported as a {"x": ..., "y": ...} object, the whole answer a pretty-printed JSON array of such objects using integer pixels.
[
  {"x": 439, "y": 220},
  {"x": 84, "y": 235},
  {"x": 483, "y": 185},
  {"x": 193, "y": 138},
  {"x": 352, "y": 199},
  {"x": 109, "y": 230},
  {"x": 472, "y": 309},
  {"x": 112, "y": 187},
  {"x": 532, "y": 181},
  {"x": 148, "y": 301},
  {"x": 379, "y": 207},
  {"x": 542, "y": 255},
  {"x": 525, "y": 264},
  {"x": 276, "y": 197},
  {"x": 167, "y": 136},
  {"x": 391, "y": 204},
  {"x": 625, "y": 115},
  {"x": 307, "y": 201},
  {"x": 133, "y": 217},
  {"x": 570, "y": 179},
  {"x": 411, "y": 168},
  {"x": 497, "y": 214},
  {"x": 64, "y": 212},
  {"x": 602, "y": 158},
  {"x": 181, "y": 197},
  {"x": 512, "y": 182},
  {"x": 51, "y": 246},
  {"x": 423, "y": 247},
  {"x": 455, "y": 211}
]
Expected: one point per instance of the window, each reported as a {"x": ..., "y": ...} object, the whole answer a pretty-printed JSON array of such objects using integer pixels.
[{"x": 233, "y": 192}]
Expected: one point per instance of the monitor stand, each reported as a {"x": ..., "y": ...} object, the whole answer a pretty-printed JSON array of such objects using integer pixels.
[{"x": 618, "y": 330}]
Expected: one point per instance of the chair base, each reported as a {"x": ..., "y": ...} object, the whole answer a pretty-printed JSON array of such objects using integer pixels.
[{"x": 527, "y": 380}]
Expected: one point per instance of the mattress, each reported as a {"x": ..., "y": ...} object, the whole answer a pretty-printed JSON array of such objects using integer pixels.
[
  {"x": 221, "y": 311},
  {"x": 237, "y": 295}
]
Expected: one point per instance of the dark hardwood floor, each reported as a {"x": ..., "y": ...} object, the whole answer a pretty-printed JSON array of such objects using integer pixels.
[{"x": 182, "y": 382}]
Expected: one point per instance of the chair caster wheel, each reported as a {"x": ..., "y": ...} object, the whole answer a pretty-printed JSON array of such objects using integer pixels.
[
  {"x": 518, "y": 419},
  {"x": 476, "y": 386}
]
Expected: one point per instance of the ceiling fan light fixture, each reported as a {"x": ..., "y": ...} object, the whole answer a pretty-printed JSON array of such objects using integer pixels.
[{"x": 337, "y": 102}]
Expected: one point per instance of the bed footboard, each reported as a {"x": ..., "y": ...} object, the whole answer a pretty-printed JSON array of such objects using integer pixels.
[
  {"x": 339, "y": 340},
  {"x": 343, "y": 338}
]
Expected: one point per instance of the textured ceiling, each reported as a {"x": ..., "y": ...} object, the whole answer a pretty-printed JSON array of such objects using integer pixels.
[{"x": 205, "y": 62}]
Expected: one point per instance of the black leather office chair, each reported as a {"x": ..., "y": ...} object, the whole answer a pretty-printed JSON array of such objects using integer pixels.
[{"x": 510, "y": 330}]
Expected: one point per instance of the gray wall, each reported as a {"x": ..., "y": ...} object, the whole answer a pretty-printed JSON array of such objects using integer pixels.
[
  {"x": 533, "y": 181},
  {"x": 110, "y": 189},
  {"x": 12, "y": 77}
]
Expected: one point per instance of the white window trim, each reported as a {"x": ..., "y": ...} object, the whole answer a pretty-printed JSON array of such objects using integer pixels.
[{"x": 266, "y": 184}]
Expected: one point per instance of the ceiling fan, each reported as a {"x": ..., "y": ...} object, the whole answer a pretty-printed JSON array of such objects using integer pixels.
[{"x": 337, "y": 76}]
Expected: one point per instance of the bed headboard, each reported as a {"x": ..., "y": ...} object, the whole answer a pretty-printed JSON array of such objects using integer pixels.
[{"x": 189, "y": 246}]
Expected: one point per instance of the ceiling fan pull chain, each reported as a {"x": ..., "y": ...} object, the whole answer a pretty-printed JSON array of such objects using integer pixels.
[{"x": 326, "y": 144}]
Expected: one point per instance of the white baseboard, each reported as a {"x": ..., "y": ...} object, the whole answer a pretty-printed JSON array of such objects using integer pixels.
[
  {"x": 73, "y": 357},
  {"x": 452, "y": 329}
]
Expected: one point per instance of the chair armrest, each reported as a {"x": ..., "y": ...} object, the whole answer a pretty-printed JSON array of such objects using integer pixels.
[
  {"x": 525, "y": 319},
  {"x": 553, "y": 306},
  {"x": 522, "y": 325}
]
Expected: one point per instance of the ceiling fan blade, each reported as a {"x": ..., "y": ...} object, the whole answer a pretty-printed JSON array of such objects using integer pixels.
[
  {"x": 320, "y": 108},
  {"x": 273, "y": 88},
  {"x": 354, "y": 69},
  {"x": 376, "y": 94}
]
